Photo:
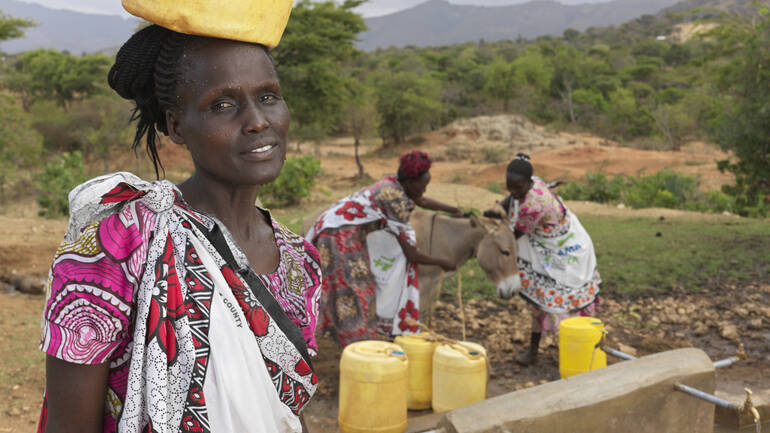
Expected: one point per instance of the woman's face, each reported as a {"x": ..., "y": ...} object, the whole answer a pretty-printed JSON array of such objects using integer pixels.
[
  {"x": 518, "y": 186},
  {"x": 416, "y": 187},
  {"x": 230, "y": 113}
]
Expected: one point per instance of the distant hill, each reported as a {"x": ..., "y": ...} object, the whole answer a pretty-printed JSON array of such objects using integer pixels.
[
  {"x": 435, "y": 22},
  {"x": 66, "y": 30},
  {"x": 438, "y": 22}
]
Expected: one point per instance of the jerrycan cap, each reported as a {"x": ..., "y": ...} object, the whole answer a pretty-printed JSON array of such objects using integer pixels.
[{"x": 397, "y": 353}]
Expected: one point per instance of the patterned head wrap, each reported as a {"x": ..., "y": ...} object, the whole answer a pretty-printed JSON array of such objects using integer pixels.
[{"x": 413, "y": 164}]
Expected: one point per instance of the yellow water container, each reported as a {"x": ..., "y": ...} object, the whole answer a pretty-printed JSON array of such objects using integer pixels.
[
  {"x": 373, "y": 388},
  {"x": 578, "y": 351},
  {"x": 420, "y": 354},
  {"x": 459, "y": 375}
]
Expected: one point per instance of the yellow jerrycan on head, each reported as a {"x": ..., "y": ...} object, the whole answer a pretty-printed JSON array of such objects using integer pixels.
[
  {"x": 420, "y": 353},
  {"x": 579, "y": 338},
  {"x": 373, "y": 388},
  {"x": 459, "y": 375}
]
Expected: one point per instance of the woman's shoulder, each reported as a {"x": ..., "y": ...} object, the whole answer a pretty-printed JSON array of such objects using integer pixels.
[
  {"x": 388, "y": 188},
  {"x": 293, "y": 242},
  {"x": 101, "y": 197}
]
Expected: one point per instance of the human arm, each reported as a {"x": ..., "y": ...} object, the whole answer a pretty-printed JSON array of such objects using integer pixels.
[
  {"x": 413, "y": 255},
  {"x": 75, "y": 396},
  {"x": 429, "y": 203}
]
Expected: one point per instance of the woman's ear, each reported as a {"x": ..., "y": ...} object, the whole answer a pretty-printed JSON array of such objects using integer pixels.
[{"x": 172, "y": 125}]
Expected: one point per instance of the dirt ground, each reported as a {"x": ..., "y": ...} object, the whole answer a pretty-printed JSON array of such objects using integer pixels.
[{"x": 468, "y": 153}]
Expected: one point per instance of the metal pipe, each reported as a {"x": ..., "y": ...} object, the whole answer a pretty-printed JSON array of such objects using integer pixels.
[
  {"x": 708, "y": 397},
  {"x": 726, "y": 362},
  {"x": 618, "y": 354}
]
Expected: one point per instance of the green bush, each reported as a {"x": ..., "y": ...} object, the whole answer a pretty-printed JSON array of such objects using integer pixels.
[
  {"x": 55, "y": 182},
  {"x": 666, "y": 189},
  {"x": 597, "y": 188},
  {"x": 663, "y": 189},
  {"x": 293, "y": 184}
]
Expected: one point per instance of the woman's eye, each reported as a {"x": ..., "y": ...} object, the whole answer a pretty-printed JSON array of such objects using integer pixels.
[
  {"x": 269, "y": 98},
  {"x": 219, "y": 106}
]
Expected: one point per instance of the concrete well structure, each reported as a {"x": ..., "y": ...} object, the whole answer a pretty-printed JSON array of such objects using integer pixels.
[{"x": 631, "y": 396}]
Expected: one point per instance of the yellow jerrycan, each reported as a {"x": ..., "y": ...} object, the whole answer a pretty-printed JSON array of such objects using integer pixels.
[
  {"x": 578, "y": 351},
  {"x": 459, "y": 375},
  {"x": 420, "y": 353},
  {"x": 373, "y": 388}
]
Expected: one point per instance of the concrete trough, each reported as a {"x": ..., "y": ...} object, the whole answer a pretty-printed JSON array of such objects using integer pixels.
[{"x": 630, "y": 396}]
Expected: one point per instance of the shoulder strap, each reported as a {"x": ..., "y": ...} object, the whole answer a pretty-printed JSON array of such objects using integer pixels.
[{"x": 217, "y": 239}]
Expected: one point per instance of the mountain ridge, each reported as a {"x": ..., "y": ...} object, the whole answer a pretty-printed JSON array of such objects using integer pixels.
[
  {"x": 66, "y": 30},
  {"x": 432, "y": 23},
  {"x": 426, "y": 24}
]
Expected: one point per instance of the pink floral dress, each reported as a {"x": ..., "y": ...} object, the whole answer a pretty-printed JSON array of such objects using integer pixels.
[{"x": 556, "y": 259}]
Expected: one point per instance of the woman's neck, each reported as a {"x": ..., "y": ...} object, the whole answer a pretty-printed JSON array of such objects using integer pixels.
[{"x": 234, "y": 205}]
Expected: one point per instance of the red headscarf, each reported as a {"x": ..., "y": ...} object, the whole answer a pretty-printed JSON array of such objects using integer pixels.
[{"x": 413, "y": 164}]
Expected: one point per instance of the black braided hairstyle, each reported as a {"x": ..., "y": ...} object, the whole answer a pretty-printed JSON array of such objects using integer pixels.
[
  {"x": 146, "y": 70},
  {"x": 520, "y": 166}
]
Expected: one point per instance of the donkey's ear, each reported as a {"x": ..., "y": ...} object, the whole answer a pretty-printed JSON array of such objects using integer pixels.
[
  {"x": 487, "y": 224},
  {"x": 504, "y": 212}
]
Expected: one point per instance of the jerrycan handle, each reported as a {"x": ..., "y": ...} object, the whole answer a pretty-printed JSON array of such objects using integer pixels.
[
  {"x": 469, "y": 353},
  {"x": 393, "y": 353}
]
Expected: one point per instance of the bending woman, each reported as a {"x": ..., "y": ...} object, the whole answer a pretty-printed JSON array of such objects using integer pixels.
[
  {"x": 369, "y": 256},
  {"x": 557, "y": 264},
  {"x": 184, "y": 307}
]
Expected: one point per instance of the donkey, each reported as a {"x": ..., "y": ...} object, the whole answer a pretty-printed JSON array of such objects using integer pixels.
[{"x": 491, "y": 241}]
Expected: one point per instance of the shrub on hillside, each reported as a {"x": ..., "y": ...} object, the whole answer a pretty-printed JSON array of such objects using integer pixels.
[
  {"x": 597, "y": 188},
  {"x": 663, "y": 189},
  {"x": 666, "y": 189},
  {"x": 58, "y": 178},
  {"x": 293, "y": 184}
]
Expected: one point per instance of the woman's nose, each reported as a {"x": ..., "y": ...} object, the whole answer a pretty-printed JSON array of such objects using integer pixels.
[{"x": 255, "y": 119}]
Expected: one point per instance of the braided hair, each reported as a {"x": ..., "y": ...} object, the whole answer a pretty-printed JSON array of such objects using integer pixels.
[
  {"x": 146, "y": 70},
  {"x": 520, "y": 166}
]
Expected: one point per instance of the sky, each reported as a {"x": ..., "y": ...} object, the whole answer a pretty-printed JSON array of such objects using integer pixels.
[{"x": 369, "y": 9}]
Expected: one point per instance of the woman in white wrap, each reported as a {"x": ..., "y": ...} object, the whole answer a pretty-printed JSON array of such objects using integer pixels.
[
  {"x": 556, "y": 260},
  {"x": 369, "y": 256}
]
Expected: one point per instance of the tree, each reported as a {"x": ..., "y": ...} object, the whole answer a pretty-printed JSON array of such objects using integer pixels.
[
  {"x": 744, "y": 129},
  {"x": 54, "y": 75},
  {"x": 12, "y": 28},
  {"x": 318, "y": 40},
  {"x": 360, "y": 114},
  {"x": 500, "y": 81},
  {"x": 406, "y": 103},
  {"x": 567, "y": 75},
  {"x": 20, "y": 144}
]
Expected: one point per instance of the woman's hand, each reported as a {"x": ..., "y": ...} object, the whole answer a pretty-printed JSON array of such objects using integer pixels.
[
  {"x": 458, "y": 213},
  {"x": 446, "y": 265}
]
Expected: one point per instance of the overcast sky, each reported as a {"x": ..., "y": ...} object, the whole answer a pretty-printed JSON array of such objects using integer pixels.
[{"x": 371, "y": 8}]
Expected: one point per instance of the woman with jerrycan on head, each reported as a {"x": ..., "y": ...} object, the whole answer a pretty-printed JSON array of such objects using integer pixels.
[{"x": 185, "y": 307}]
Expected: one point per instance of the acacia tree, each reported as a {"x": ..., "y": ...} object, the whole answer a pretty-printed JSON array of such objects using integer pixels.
[
  {"x": 318, "y": 40},
  {"x": 20, "y": 144},
  {"x": 744, "y": 129},
  {"x": 11, "y": 27},
  {"x": 500, "y": 81},
  {"x": 406, "y": 103},
  {"x": 54, "y": 75},
  {"x": 360, "y": 115}
]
